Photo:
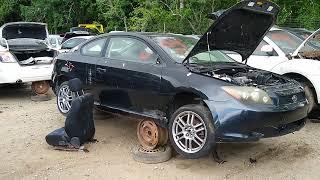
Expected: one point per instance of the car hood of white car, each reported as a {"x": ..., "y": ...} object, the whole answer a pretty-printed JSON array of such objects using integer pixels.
[
  {"x": 297, "y": 51},
  {"x": 239, "y": 29}
]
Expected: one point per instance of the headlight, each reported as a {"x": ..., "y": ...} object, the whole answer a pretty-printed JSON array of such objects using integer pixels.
[
  {"x": 7, "y": 57},
  {"x": 248, "y": 94}
]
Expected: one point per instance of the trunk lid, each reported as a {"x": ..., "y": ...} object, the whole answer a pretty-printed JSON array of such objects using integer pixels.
[
  {"x": 240, "y": 28},
  {"x": 28, "y": 30}
]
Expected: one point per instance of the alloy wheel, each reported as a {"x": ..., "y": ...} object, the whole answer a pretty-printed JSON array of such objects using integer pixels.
[
  {"x": 189, "y": 132},
  {"x": 64, "y": 99}
]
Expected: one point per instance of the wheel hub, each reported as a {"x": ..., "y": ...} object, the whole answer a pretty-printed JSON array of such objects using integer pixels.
[
  {"x": 189, "y": 132},
  {"x": 150, "y": 135},
  {"x": 40, "y": 87}
]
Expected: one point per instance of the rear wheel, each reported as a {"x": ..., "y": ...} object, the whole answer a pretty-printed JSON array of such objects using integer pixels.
[
  {"x": 191, "y": 131},
  {"x": 64, "y": 98}
]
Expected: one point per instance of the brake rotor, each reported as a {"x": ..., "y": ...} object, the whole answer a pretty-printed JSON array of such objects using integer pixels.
[{"x": 40, "y": 87}]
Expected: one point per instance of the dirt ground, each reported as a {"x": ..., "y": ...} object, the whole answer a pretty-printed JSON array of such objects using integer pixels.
[{"x": 25, "y": 154}]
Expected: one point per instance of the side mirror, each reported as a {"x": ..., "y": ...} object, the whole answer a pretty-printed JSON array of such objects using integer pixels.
[
  {"x": 4, "y": 46},
  {"x": 267, "y": 49}
]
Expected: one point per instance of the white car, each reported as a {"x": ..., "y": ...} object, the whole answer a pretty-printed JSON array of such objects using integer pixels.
[
  {"x": 25, "y": 55},
  {"x": 55, "y": 40},
  {"x": 283, "y": 53},
  {"x": 72, "y": 43}
]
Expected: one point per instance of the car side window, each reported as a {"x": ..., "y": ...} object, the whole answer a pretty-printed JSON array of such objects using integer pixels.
[
  {"x": 130, "y": 49},
  {"x": 259, "y": 52},
  {"x": 94, "y": 48},
  {"x": 71, "y": 43}
]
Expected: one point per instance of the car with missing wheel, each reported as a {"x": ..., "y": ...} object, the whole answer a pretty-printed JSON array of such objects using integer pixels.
[
  {"x": 187, "y": 85},
  {"x": 25, "y": 55}
]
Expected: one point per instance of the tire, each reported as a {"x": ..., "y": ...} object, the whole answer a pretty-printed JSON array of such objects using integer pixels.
[
  {"x": 63, "y": 107},
  {"x": 159, "y": 155},
  {"x": 189, "y": 133},
  {"x": 310, "y": 95}
]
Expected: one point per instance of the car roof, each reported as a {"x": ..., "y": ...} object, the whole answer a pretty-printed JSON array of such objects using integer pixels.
[
  {"x": 139, "y": 34},
  {"x": 82, "y": 37}
]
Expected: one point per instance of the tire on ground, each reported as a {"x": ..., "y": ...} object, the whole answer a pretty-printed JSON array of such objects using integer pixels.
[
  {"x": 205, "y": 114},
  {"x": 159, "y": 155}
]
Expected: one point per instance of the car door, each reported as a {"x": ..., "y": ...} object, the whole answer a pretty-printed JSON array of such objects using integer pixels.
[
  {"x": 91, "y": 53},
  {"x": 132, "y": 75}
]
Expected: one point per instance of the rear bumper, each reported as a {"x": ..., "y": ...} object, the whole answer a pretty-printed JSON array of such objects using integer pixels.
[
  {"x": 244, "y": 124},
  {"x": 11, "y": 73}
]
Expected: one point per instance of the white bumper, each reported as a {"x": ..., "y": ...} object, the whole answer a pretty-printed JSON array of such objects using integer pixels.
[{"x": 12, "y": 73}]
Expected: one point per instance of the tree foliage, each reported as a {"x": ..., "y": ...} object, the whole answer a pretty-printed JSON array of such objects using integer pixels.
[{"x": 178, "y": 16}]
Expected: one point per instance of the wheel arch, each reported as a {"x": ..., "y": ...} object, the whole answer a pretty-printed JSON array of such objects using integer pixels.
[
  {"x": 302, "y": 78},
  {"x": 185, "y": 97},
  {"x": 58, "y": 81}
]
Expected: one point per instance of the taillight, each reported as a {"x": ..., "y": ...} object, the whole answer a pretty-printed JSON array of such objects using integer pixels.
[{"x": 7, "y": 57}]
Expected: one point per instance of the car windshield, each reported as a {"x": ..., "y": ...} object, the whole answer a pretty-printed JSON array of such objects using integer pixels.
[
  {"x": 71, "y": 43},
  {"x": 287, "y": 42},
  {"x": 179, "y": 46},
  {"x": 210, "y": 57}
]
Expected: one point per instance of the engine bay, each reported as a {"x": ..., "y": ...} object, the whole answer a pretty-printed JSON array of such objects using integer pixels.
[{"x": 246, "y": 76}]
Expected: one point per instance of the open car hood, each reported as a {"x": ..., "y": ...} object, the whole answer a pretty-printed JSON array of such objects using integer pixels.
[
  {"x": 240, "y": 28},
  {"x": 296, "y": 52},
  {"x": 17, "y": 30}
]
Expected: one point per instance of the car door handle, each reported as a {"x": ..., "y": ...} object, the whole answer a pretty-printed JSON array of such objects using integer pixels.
[{"x": 101, "y": 70}]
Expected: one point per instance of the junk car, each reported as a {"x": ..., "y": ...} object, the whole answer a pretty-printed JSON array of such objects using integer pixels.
[
  {"x": 25, "y": 55},
  {"x": 189, "y": 86}
]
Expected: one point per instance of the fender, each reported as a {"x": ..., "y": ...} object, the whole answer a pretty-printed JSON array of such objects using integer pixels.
[{"x": 308, "y": 68}]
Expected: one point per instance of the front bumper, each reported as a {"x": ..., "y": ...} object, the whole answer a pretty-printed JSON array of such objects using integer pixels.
[{"x": 240, "y": 123}]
